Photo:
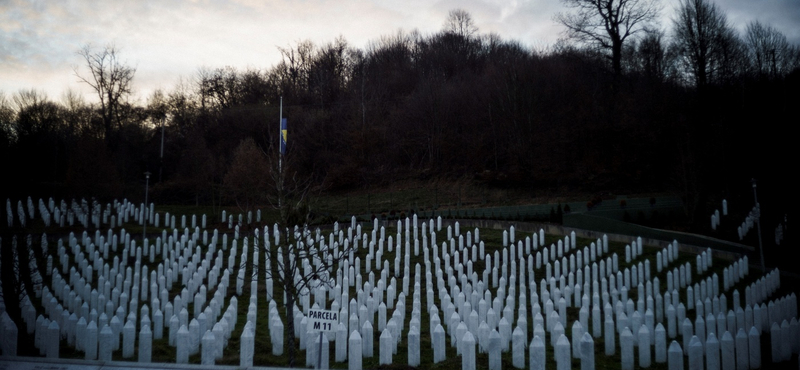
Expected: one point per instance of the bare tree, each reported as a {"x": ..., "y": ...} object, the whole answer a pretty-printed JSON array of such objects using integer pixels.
[
  {"x": 703, "y": 37},
  {"x": 36, "y": 114},
  {"x": 197, "y": 167},
  {"x": 653, "y": 57},
  {"x": 302, "y": 263},
  {"x": 218, "y": 87},
  {"x": 27, "y": 98},
  {"x": 331, "y": 66},
  {"x": 769, "y": 52},
  {"x": 298, "y": 261},
  {"x": 110, "y": 79},
  {"x": 7, "y": 135},
  {"x": 460, "y": 22},
  {"x": 246, "y": 179},
  {"x": 292, "y": 74},
  {"x": 607, "y": 23},
  {"x": 78, "y": 113}
]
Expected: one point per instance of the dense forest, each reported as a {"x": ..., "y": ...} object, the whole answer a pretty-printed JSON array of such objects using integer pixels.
[{"x": 667, "y": 110}]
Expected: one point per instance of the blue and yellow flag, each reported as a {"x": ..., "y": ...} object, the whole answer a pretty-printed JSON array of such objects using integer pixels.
[{"x": 283, "y": 136}]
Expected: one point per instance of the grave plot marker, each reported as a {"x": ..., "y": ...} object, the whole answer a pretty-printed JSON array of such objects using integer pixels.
[{"x": 324, "y": 321}]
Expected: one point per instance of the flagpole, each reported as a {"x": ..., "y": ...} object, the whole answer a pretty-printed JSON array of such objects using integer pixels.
[
  {"x": 280, "y": 154},
  {"x": 280, "y": 138}
]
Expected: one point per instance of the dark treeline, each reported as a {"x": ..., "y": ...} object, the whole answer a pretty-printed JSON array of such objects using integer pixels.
[{"x": 454, "y": 104}]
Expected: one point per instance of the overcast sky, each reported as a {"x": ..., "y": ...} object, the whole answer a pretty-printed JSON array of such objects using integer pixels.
[{"x": 169, "y": 40}]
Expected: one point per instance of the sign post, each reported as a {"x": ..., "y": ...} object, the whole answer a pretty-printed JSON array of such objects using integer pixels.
[{"x": 323, "y": 321}]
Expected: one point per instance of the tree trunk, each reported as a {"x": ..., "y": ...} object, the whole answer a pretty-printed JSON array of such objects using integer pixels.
[
  {"x": 616, "y": 60},
  {"x": 288, "y": 288},
  {"x": 290, "y": 326}
]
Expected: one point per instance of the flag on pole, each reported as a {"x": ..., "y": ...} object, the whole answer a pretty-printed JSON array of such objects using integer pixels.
[{"x": 283, "y": 136}]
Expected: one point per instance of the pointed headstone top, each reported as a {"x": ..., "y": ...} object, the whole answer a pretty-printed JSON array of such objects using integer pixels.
[{"x": 468, "y": 338}]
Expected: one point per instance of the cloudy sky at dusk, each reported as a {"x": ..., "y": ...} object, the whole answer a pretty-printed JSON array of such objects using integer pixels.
[{"x": 169, "y": 40}]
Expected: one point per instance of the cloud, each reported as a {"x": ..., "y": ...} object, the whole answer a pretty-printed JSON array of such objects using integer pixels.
[
  {"x": 784, "y": 15},
  {"x": 170, "y": 40}
]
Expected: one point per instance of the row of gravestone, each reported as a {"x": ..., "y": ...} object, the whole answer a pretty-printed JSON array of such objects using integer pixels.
[
  {"x": 113, "y": 214},
  {"x": 344, "y": 315},
  {"x": 660, "y": 350},
  {"x": 49, "y": 303},
  {"x": 89, "y": 272},
  {"x": 49, "y": 212}
]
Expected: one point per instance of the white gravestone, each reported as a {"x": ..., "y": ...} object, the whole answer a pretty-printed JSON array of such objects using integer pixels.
[
  {"x": 439, "y": 354},
  {"x": 712, "y": 352},
  {"x": 128, "y": 339},
  {"x": 354, "y": 355},
  {"x": 644, "y": 347},
  {"x": 727, "y": 351},
  {"x": 90, "y": 343},
  {"x": 106, "y": 344},
  {"x": 518, "y": 348},
  {"x": 468, "y": 352},
  {"x": 247, "y": 346},
  {"x": 145, "y": 344},
  {"x": 626, "y": 349},
  {"x": 754, "y": 342},
  {"x": 494, "y": 350},
  {"x": 695, "y": 354},
  {"x": 183, "y": 344},
  {"x": 414, "y": 347},
  {"x": 562, "y": 353},
  {"x": 587, "y": 352},
  {"x": 675, "y": 356},
  {"x": 660, "y": 344}
]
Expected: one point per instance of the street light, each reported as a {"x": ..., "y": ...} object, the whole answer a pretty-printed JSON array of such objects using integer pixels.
[
  {"x": 144, "y": 215},
  {"x": 757, "y": 217}
]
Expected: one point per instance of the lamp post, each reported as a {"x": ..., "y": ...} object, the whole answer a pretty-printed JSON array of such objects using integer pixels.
[
  {"x": 145, "y": 213},
  {"x": 758, "y": 225}
]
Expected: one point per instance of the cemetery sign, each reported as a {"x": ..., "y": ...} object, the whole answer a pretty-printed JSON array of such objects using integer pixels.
[{"x": 322, "y": 320}]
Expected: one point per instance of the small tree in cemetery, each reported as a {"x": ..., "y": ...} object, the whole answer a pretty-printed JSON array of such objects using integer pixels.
[{"x": 301, "y": 262}]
